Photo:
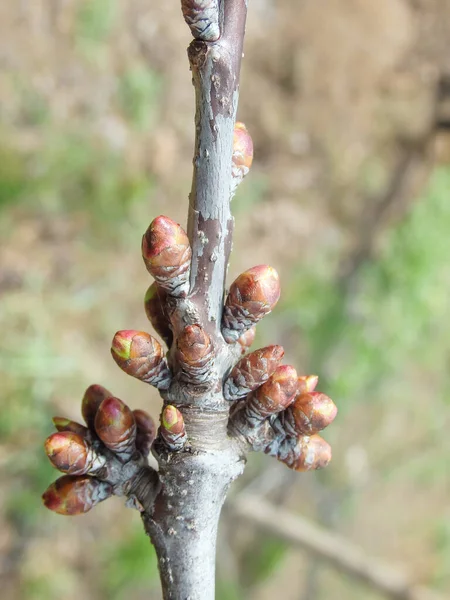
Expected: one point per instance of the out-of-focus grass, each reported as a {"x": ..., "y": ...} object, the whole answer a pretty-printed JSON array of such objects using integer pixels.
[
  {"x": 130, "y": 565},
  {"x": 382, "y": 350}
]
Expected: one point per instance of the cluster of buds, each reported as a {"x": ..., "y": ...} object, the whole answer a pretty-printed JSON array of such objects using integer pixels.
[
  {"x": 113, "y": 435},
  {"x": 283, "y": 416}
]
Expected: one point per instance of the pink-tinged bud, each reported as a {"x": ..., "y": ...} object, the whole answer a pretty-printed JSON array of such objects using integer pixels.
[
  {"x": 252, "y": 295},
  {"x": 252, "y": 371},
  {"x": 247, "y": 339},
  {"x": 71, "y": 495},
  {"x": 154, "y": 309},
  {"x": 305, "y": 453},
  {"x": 72, "y": 454},
  {"x": 195, "y": 354},
  {"x": 311, "y": 412},
  {"x": 172, "y": 428},
  {"x": 63, "y": 424},
  {"x": 202, "y": 16},
  {"x": 273, "y": 396},
  {"x": 93, "y": 397},
  {"x": 307, "y": 383},
  {"x": 167, "y": 255},
  {"x": 146, "y": 431},
  {"x": 116, "y": 428},
  {"x": 141, "y": 356},
  {"x": 242, "y": 155}
]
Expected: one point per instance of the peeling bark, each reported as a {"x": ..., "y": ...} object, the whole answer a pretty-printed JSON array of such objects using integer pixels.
[{"x": 183, "y": 520}]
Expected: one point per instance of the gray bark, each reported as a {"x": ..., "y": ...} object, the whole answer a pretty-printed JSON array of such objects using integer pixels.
[{"x": 182, "y": 522}]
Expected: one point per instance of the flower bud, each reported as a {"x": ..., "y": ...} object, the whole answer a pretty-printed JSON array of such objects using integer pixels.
[
  {"x": 273, "y": 396},
  {"x": 140, "y": 355},
  {"x": 247, "y": 339},
  {"x": 305, "y": 453},
  {"x": 93, "y": 397},
  {"x": 172, "y": 428},
  {"x": 72, "y": 454},
  {"x": 167, "y": 255},
  {"x": 307, "y": 383},
  {"x": 252, "y": 295},
  {"x": 194, "y": 354},
  {"x": 252, "y": 371},
  {"x": 154, "y": 309},
  {"x": 242, "y": 157},
  {"x": 202, "y": 16},
  {"x": 63, "y": 424},
  {"x": 71, "y": 495},
  {"x": 310, "y": 413},
  {"x": 116, "y": 428},
  {"x": 146, "y": 431}
]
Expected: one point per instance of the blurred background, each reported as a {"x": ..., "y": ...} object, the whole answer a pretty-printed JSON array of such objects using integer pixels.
[{"x": 348, "y": 103}]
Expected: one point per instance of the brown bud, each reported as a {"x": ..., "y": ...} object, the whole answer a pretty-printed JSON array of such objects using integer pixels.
[
  {"x": 194, "y": 354},
  {"x": 305, "y": 453},
  {"x": 310, "y": 413},
  {"x": 167, "y": 255},
  {"x": 116, "y": 427},
  {"x": 93, "y": 397},
  {"x": 252, "y": 371},
  {"x": 247, "y": 339},
  {"x": 172, "y": 428},
  {"x": 63, "y": 424},
  {"x": 202, "y": 16},
  {"x": 72, "y": 454},
  {"x": 242, "y": 155},
  {"x": 307, "y": 383},
  {"x": 252, "y": 295},
  {"x": 71, "y": 495},
  {"x": 140, "y": 355},
  {"x": 273, "y": 396},
  {"x": 154, "y": 309},
  {"x": 146, "y": 431}
]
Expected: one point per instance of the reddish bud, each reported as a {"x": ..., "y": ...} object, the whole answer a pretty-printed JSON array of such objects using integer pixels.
[
  {"x": 273, "y": 396},
  {"x": 154, "y": 309},
  {"x": 140, "y": 355},
  {"x": 310, "y": 413},
  {"x": 252, "y": 371},
  {"x": 194, "y": 354},
  {"x": 172, "y": 427},
  {"x": 93, "y": 397},
  {"x": 63, "y": 424},
  {"x": 247, "y": 339},
  {"x": 116, "y": 427},
  {"x": 71, "y": 495},
  {"x": 202, "y": 16},
  {"x": 242, "y": 155},
  {"x": 252, "y": 295},
  {"x": 167, "y": 255},
  {"x": 146, "y": 431},
  {"x": 307, "y": 383},
  {"x": 304, "y": 453},
  {"x": 72, "y": 454}
]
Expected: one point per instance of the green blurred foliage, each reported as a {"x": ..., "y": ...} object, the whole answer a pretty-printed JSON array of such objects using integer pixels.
[
  {"x": 130, "y": 565},
  {"x": 139, "y": 92}
]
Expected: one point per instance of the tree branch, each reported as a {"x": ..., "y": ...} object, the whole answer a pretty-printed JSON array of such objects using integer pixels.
[{"x": 337, "y": 551}]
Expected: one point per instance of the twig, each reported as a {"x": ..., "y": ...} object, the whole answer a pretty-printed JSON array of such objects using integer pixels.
[{"x": 336, "y": 550}]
